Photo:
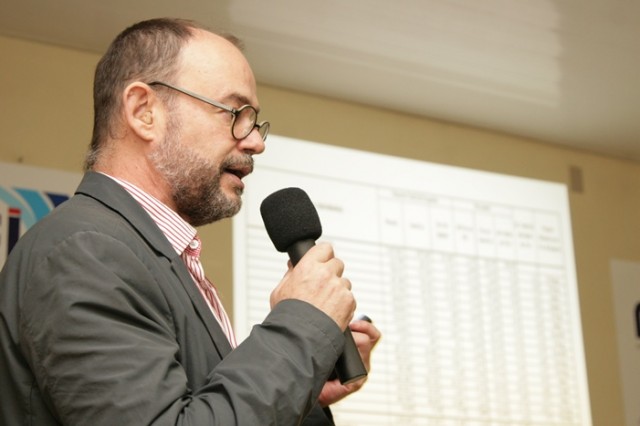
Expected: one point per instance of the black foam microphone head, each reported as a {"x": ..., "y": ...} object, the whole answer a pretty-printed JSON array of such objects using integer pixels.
[{"x": 290, "y": 216}]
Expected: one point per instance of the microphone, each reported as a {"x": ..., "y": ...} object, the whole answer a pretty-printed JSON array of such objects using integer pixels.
[{"x": 293, "y": 226}]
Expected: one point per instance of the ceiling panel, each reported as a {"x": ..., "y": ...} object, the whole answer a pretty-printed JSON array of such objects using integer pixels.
[{"x": 562, "y": 72}]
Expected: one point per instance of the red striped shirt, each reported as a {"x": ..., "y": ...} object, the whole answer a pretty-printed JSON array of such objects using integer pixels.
[{"x": 181, "y": 235}]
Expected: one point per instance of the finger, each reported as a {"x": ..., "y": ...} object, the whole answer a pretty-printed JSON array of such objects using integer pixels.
[
  {"x": 367, "y": 328},
  {"x": 323, "y": 252},
  {"x": 337, "y": 266},
  {"x": 347, "y": 283}
]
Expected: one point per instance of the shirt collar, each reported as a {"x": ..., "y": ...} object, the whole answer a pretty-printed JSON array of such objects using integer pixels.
[{"x": 176, "y": 229}]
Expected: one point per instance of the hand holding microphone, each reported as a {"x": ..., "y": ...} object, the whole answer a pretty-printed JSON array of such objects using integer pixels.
[{"x": 293, "y": 225}]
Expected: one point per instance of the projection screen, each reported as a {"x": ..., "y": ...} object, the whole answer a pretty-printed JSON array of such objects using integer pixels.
[{"x": 470, "y": 276}]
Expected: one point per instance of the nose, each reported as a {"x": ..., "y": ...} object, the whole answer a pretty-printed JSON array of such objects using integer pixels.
[{"x": 252, "y": 144}]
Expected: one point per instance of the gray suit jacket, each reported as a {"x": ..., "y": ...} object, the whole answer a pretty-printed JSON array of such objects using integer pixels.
[{"x": 101, "y": 324}]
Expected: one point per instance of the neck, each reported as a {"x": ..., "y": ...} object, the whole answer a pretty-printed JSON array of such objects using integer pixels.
[{"x": 139, "y": 171}]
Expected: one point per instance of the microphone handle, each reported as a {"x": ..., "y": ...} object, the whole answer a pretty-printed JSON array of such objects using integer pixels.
[
  {"x": 298, "y": 249},
  {"x": 349, "y": 366}
]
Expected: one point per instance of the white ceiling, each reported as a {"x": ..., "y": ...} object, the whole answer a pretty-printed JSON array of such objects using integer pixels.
[{"x": 561, "y": 71}]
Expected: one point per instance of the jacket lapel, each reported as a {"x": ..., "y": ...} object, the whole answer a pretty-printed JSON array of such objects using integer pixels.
[
  {"x": 202, "y": 308},
  {"x": 112, "y": 195}
]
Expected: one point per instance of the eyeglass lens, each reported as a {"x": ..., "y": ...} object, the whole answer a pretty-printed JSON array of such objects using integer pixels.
[{"x": 245, "y": 121}]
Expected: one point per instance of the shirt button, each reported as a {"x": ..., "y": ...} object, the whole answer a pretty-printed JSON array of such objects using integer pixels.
[{"x": 194, "y": 244}]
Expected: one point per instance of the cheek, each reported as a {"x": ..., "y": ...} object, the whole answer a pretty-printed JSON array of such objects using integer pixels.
[
  {"x": 207, "y": 133},
  {"x": 214, "y": 130},
  {"x": 208, "y": 140}
]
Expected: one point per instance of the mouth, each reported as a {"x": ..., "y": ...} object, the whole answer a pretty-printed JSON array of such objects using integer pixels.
[
  {"x": 239, "y": 172},
  {"x": 240, "y": 169}
]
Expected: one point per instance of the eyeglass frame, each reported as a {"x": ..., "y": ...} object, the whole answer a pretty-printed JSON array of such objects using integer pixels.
[{"x": 235, "y": 112}]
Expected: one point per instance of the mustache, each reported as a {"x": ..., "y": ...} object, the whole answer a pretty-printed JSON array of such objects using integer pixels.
[{"x": 240, "y": 162}]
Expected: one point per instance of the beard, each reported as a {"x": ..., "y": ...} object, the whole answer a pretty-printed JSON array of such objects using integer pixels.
[{"x": 194, "y": 181}]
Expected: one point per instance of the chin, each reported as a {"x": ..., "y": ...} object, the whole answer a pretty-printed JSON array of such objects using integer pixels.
[
  {"x": 235, "y": 199},
  {"x": 234, "y": 192}
]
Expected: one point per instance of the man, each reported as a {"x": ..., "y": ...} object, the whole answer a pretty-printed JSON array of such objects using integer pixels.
[{"x": 106, "y": 316}]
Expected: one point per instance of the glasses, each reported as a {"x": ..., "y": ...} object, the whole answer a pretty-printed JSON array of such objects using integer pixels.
[{"x": 244, "y": 118}]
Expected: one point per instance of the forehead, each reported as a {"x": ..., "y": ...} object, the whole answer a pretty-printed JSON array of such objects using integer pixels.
[{"x": 213, "y": 66}]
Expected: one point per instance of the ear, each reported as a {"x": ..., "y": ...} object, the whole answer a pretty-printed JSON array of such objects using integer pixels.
[{"x": 142, "y": 112}]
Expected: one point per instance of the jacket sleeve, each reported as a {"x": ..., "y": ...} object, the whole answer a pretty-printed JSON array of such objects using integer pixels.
[{"x": 101, "y": 341}]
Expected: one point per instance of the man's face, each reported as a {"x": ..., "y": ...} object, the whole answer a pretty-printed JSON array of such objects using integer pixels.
[
  {"x": 195, "y": 180},
  {"x": 202, "y": 162}
]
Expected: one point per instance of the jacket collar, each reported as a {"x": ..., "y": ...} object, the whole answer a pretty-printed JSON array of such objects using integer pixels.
[{"x": 115, "y": 197}]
